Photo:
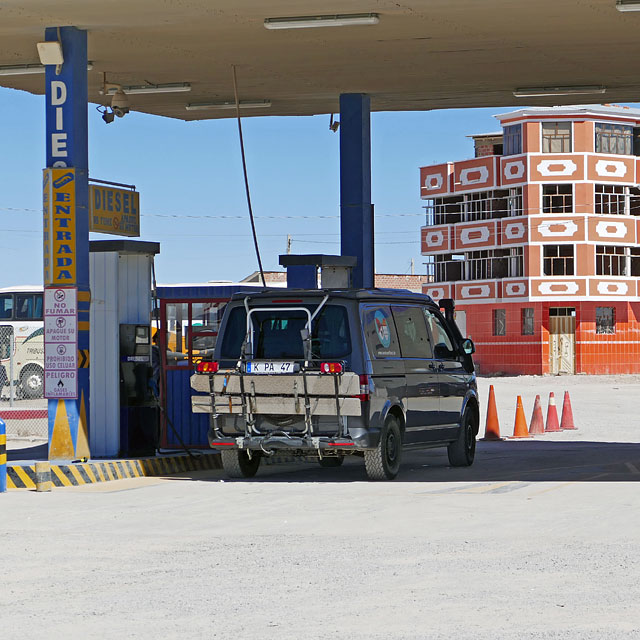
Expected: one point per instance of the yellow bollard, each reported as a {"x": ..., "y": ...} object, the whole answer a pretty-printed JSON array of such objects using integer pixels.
[{"x": 43, "y": 476}]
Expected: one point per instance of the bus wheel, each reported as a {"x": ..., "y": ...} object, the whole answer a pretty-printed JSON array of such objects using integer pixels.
[{"x": 32, "y": 381}]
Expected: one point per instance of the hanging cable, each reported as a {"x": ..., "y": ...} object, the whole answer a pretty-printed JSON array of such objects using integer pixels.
[{"x": 246, "y": 179}]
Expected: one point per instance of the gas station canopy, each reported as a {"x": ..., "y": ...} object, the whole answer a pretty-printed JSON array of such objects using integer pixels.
[{"x": 414, "y": 54}]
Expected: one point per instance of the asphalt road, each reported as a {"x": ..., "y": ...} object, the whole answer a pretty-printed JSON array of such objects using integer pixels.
[{"x": 539, "y": 539}]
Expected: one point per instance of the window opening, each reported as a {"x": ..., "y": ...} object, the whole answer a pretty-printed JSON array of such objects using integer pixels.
[
  {"x": 512, "y": 140},
  {"x": 556, "y": 137},
  {"x": 499, "y": 322},
  {"x": 527, "y": 321},
  {"x": 614, "y": 138},
  {"x": 558, "y": 260},
  {"x": 557, "y": 198},
  {"x": 605, "y": 320}
]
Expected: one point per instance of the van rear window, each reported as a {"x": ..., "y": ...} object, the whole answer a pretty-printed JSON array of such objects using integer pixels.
[{"x": 277, "y": 334}]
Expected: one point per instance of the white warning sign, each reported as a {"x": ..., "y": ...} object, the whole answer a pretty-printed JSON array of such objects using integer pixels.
[{"x": 61, "y": 342}]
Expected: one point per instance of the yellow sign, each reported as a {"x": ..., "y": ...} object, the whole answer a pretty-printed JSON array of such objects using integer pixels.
[
  {"x": 115, "y": 211},
  {"x": 59, "y": 206}
]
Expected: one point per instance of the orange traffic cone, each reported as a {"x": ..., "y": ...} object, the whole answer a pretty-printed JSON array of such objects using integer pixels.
[
  {"x": 520, "y": 426},
  {"x": 536, "y": 426},
  {"x": 552, "y": 415},
  {"x": 567, "y": 414},
  {"x": 492, "y": 427}
]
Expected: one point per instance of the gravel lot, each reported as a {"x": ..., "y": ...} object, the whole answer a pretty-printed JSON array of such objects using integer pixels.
[{"x": 539, "y": 539}]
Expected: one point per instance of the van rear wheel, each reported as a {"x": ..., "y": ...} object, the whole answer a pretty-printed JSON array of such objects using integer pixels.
[
  {"x": 383, "y": 462},
  {"x": 237, "y": 464}
]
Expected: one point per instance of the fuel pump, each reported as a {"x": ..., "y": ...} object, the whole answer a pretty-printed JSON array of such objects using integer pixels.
[{"x": 138, "y": 409}]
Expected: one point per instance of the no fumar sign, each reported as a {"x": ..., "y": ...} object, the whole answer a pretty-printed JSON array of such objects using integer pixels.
[{"x": 61, "y": 342}]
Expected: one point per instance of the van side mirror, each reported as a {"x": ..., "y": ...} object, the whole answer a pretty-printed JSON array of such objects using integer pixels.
[{"x": 468, "y": 347}]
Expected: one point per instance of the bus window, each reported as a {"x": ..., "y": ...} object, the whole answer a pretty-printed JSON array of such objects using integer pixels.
[
  {"x": 24, "y": 306},
  {"x": 6, "y": 306},
  {"x": 37, "y": 308}
]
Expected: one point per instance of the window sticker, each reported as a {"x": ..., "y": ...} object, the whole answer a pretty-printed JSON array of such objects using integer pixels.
[{"x": 382, "y": 328}]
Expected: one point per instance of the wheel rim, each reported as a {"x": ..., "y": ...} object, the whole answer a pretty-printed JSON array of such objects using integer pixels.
[
  {"x": 392, "y": 447},
  {"x": 34, "y": 382}
]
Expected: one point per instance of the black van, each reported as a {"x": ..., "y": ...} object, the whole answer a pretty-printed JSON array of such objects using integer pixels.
[{"x": 331, "y": 373}]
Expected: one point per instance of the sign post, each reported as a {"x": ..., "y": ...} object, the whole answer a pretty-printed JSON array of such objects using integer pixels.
[{"x": 66, "y": 246}]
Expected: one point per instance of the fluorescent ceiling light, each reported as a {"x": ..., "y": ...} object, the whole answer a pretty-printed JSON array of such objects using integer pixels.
[
  {"x": 627, "y": 5},
  {"x": 335, "y": 20},
  {"x": 21, "y": 69},
  {"x": 152, "y": 88},
  {"x": 50, "y": 52},
  {"x": 27, "y": 69},
  {"x": 533, "y": 92},
  {"x": 229, "y": 104}
]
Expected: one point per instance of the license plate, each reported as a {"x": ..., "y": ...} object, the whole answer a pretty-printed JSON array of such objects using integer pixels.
[{"x": 271, "y": 366}]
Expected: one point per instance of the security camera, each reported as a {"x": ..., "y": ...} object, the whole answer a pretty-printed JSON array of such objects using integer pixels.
[
  {"x": 106, "y": 114},
  {"x": 120, "y": 103}
]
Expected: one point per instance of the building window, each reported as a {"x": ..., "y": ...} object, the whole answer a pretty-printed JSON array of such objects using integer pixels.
[
  {"x": 558, "y": 260},
  {"x": 557, "y": 198},
  {"x": 512, "y": 140},
  {"x": 527, "y": 321},
  {"x": 556, "y": 137},
  {"x": 612, "y": 260},
  {"x": 605, "y": 320},
  {"x": 448, "y": 210},
  {"x": 514, "y": 202},
  {"x": 611, "y": 199},
  {"x": 614, "y": 138},
  {"x": 499, "y": 322}
]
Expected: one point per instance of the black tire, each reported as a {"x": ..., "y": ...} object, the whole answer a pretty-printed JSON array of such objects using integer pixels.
[
  {"x": 32, "y": 381},
  {"x": 331, "y": 463},
  {"x": 237, "y": 464},
  {"x": 462, "y": 451},
  {"x": 383, "y": 462}
]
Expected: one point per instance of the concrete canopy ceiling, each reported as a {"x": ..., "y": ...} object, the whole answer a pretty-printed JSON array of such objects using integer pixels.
[{"x": 423, "y": 54}]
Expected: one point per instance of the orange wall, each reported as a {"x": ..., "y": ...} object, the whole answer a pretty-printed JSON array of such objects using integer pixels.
[
  {"x": 531, "y": 137},
  {"x": 583, "y": 137},
  {"x": 513, "y": 353}
]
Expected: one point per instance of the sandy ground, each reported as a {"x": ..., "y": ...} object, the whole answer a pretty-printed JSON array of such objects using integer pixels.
[{"x": 539, "y": 539}]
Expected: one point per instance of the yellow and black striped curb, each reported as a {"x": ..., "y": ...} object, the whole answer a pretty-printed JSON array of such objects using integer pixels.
[{"x": 69, "y": 475}]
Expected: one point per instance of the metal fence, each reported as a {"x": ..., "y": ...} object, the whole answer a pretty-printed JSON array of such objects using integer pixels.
[{"x": 22, "y": 405}]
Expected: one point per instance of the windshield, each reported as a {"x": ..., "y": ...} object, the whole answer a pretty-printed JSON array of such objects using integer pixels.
[{"x": 277, "y": 334}]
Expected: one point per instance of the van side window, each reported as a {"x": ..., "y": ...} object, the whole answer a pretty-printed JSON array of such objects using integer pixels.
[
  {"x": 442, "y": 342},
  {"x": 412, "y": 332},
  {"x": 380, "y": 333}
]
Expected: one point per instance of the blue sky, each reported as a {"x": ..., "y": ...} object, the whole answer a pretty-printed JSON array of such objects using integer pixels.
[{"x": 189, "y": 174}]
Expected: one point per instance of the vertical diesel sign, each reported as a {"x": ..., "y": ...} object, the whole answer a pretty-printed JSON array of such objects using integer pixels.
[{"x": 60, "y": 265}]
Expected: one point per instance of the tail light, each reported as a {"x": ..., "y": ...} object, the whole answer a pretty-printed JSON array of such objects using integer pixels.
[
  {"x": 207, "y": 367},
  {"x": 364, "y": 388},
  {"x": 330, "y": 367}
]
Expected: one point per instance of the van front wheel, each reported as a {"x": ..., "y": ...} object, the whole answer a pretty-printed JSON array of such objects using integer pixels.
[
  {"x": 383, "y": 462},
  {"x": 237, "y": 464}
]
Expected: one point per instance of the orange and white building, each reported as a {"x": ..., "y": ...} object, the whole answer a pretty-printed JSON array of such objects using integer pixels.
[{"x": 538, "y": 240}]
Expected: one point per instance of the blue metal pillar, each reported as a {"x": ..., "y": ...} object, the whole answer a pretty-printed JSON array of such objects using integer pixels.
[
  {"x": 356, "y": 210},
  {"x": 66, "y": 238}
]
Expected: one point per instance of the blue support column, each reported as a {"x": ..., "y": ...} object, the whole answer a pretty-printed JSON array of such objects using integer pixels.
[
  {"x": 356, "y": 210},
  {"x": 66, "y": 239}
]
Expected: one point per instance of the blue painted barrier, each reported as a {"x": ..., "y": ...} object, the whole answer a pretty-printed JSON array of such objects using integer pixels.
[{"x": 3, "y": 457}]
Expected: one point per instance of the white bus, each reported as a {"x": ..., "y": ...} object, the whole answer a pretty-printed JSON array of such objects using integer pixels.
[{"x": 22, "y": 335}]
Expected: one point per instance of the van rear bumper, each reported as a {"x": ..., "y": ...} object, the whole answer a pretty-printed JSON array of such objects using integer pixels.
[{"x": 368, "y": 439}]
